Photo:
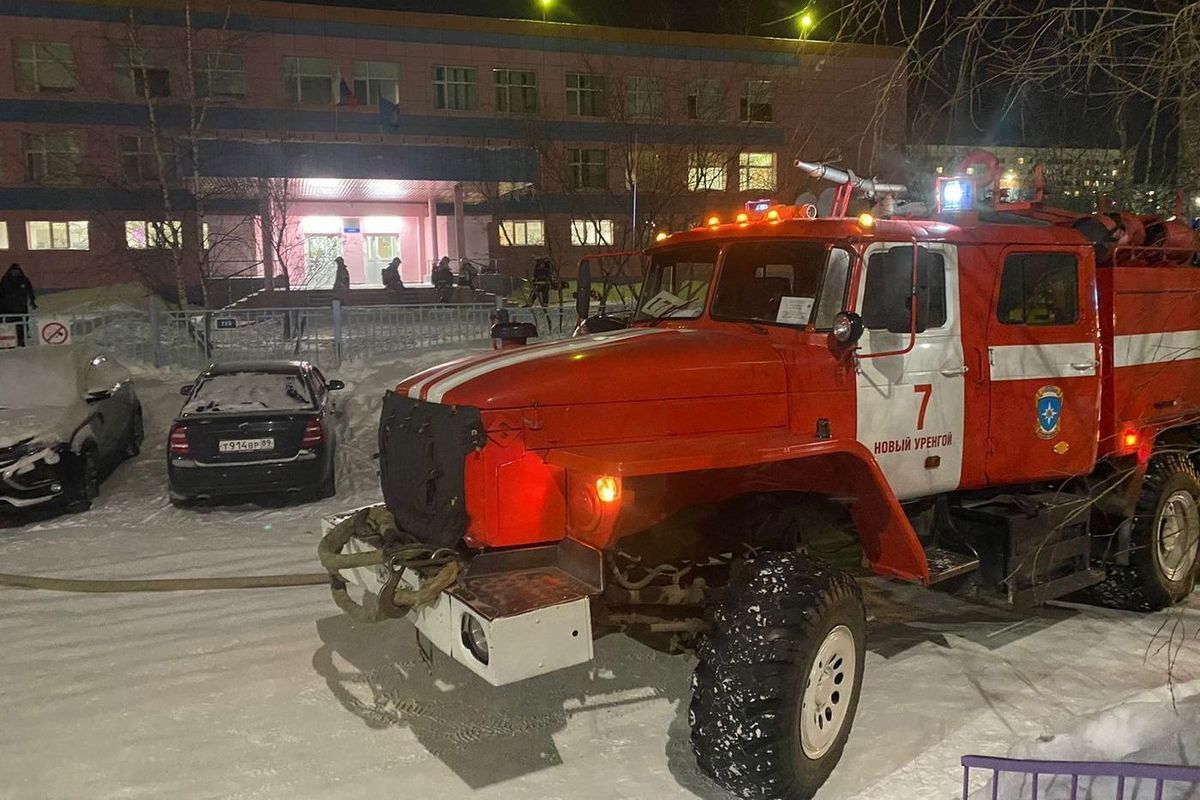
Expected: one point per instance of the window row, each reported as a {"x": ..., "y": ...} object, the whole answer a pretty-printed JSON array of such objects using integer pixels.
[
  {"x": 75, "y": 235},
  {"x": 532, "y": 233},
  {"x": 587, "y": 168},
  {"x": 146, "y": 73},
  {"x": 57, "y": 158}
]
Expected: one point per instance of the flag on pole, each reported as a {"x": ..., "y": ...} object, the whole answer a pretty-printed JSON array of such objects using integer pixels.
[
  {"x": 389, "y": 113},
  {"x": 345, "y": 96}
]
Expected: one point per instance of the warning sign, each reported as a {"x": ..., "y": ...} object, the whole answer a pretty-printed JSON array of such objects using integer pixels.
[
  {"x": 54, "y": 331},
  {"x": 8, "y": 336}
]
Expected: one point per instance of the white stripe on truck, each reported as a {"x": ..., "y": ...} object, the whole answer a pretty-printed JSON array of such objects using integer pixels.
[
  {"x": 1019, "y": 362},
  {"x": 1134, "y": 350}
]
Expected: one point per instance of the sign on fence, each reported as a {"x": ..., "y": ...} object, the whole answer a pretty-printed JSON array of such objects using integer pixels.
[
  {"x": 8, "y": 335},
  {"x": 54, "y": 331},
  {"x": 226, "y": 323}
]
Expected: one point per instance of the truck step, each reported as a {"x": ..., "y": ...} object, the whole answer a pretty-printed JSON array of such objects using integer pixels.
[{"x": 946, "y": 564}]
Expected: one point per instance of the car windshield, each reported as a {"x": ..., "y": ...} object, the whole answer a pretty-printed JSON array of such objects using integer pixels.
[
  {"x": 677, "y": 283},
  {"x": 250, "y": 391},
  {"x": 781, "y": 281}
]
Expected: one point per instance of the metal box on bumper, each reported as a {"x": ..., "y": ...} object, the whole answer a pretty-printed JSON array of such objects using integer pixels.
[{"x": 514, "y": 614}]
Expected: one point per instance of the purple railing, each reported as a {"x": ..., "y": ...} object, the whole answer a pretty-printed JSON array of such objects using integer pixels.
[{"x": 1158, "y": 774}]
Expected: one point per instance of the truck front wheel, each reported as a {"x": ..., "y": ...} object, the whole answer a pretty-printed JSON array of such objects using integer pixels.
[{"x": 777, "y": 683}]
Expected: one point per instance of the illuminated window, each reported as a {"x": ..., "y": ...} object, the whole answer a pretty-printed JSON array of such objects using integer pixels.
[
  {"x": 45, "y": 67},
  {"x": 454, "y": 88},
  {"x": 586, "y": 95},
  {"x": 57, "y": 235},
  {"x": 591, "y": 232},
  {"x": 220, "y": 75},
  {"x": 588, "y": 168},
  {"x": 140, "y": 162},
  {"x": 142, "y": 72},
  {"x": 3, "y": 235},
  {"x": 143, "y": 235},
  {"x": 756, "y": 102},
  {"x": 756, "y": 172},
  {"x": 643, "y": 96},
  {"x": 376, "y": 79},
  {"x": 704, "y": 100},
  {"x": 52, "y": 157},
  {"x": 308, "y": 80},
  {"x": 516, "y": 91},
  {"x": 706, "y": 172},
  {"x": 522, "y": 233}
]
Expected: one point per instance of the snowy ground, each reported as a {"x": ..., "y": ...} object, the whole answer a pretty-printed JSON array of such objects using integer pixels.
[{"x": 272, "y": 694}]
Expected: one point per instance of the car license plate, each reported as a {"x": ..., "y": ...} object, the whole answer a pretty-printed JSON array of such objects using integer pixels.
[{"x": 245, "y": 445}]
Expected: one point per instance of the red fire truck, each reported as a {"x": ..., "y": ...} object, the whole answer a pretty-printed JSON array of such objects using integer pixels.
[{"x": 1004, "y": 399}]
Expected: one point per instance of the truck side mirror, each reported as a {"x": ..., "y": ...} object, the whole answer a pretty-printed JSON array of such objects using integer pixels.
[{"x": 583, "y": 290}]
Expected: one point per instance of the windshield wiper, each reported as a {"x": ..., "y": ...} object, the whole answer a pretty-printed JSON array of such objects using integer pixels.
[{"x": 668, "y": 310}]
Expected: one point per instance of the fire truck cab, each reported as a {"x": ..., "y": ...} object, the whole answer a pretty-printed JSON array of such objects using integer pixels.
[{"x": 1007, "y": 398}]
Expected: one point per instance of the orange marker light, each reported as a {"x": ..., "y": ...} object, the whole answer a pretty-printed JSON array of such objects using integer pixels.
[
  {"x": 608, "y": 488},
  {"x": 660, "y": 236},
  {"x": 866, "y": 220},
  {"x": 1130, "y": 439},
  {"x": 743, "y": 218},
  {"x": 714, "y": 220},
  {"x": 773, "y": 215}
]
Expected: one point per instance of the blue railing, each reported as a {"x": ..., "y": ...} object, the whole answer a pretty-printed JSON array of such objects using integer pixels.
[{"x": 1125, "y": 774}]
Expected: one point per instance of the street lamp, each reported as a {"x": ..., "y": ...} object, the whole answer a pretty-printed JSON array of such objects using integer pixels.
[
  {"x": 545, "y": 4},
  {"x": 805, "y": 23}
]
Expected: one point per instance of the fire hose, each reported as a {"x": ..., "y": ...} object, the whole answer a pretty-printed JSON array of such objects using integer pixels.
[{"x": 438, "y": 570}]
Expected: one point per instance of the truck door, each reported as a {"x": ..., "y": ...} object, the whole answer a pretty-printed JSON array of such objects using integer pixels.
[
  {"x": 1043, "y": 358},
  {"x": 910, "y": 405}
]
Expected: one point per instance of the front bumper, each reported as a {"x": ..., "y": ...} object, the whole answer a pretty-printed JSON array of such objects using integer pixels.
[
  {"x": 34, "y": 479},
  {"x": 189, "y": 478},
  {"x": 531, "y": 605}
]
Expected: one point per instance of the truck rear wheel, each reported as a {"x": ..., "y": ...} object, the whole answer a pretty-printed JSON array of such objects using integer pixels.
[
  {"x": 1164, "y": 551},
  {"x": 778, "y": 679}
]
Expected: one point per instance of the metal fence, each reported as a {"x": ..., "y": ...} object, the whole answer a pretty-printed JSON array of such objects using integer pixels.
[
  {"x": 325, "y": 335},
  {"x": 1034, "y": 780}
]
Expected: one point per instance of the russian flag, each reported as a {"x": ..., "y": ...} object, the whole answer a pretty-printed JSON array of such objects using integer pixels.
[{"x": 345, "y": 96}]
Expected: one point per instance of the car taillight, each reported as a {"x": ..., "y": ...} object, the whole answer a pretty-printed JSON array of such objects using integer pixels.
[
  {"x": 313, "y": 435},
  {"x": 177, "y": 444}
]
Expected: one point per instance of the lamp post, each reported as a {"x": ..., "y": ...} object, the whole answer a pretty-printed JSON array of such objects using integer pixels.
[
  {"x": 545, "y": 4},
  {"x": 805, "y": 22}
]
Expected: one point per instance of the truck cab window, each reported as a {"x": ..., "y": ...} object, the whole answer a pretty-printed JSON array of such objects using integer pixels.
[
  {"x": 677, "y": 282},
  {"x": 1039, "y": 289},
  {"x": 887, "y": 291},
  {"x": 771, "y": 281}
]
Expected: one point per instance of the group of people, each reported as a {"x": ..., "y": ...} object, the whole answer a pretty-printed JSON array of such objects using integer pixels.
[
  {"x": 16, "y": 300},
  {"x": 443, "y": 276}
]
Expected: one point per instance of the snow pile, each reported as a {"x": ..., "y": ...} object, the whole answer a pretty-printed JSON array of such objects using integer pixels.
[
  {"x": 97, "y": 299},
  {"x": 35, "y": 377}
]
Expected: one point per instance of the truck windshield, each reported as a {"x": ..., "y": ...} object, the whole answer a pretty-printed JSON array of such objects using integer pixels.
[
  {"x": 677, "y": 283},
  {"x": 786, "y": 282}
]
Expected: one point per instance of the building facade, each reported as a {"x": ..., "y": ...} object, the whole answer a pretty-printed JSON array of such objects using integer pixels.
[{"x": 186, "y": 142}]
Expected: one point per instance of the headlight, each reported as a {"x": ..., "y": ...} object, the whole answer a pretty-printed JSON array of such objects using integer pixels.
[{"x": 474, "y": 638}]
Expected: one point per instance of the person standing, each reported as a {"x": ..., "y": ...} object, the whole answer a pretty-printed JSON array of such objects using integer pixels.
[
  {"x": 466, "y": 273},
  {"x": 543, "y": 276},
  {"x": 341, "y": 278},
  {"x": 391, "y": 275},
  {"x": 16, "y": 300},
  {"x": 443, "y": 280}
]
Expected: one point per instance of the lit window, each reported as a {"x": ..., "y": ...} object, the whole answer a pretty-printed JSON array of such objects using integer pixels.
[
  {"x": 588, "y": 168},
  {"x": 522, "y": 233},
  {"x": 516, "y": 91},
  {"x": 142, "y": 72},
  {"x": 205, "y": 241},
  {"x": 1021, "y": 159},
  {"x": 3, "y": 235},
  {"x": 591, "y": 232},
  {"x": 140, "y": 160},
  {"x": 704, "y": 100},
  {"x": 51, "y": 157},
  {"x": 756, "y": 102},
  {"x": 143, "y": 235},
  {"x": 220, "y": 75},
  {"x": 756, "y": 172},
  {"x": 643, "y": 96},
  {"x": 376, "y": 79},
  {"x": 45, "y": 67},
  {"x": 454, "y": 88},
  {"x": 57, "y": 235},
  {"x": 586, "y": 95},
  {"x": 706, "y": 172},
  {"x": 308, "y": 80}
]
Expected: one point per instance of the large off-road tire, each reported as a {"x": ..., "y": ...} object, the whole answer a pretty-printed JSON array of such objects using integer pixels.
[
  {"x": 85, "y": 483},
  {"x": 777, "y": 684},
  {"x": 1164, "y": 542}
]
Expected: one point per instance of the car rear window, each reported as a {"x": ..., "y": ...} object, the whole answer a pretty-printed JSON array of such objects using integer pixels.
[{"x": 250, "y": 391}]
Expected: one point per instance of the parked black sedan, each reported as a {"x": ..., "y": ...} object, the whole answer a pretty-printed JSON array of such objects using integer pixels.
[{"x": 254, "y": 428}]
